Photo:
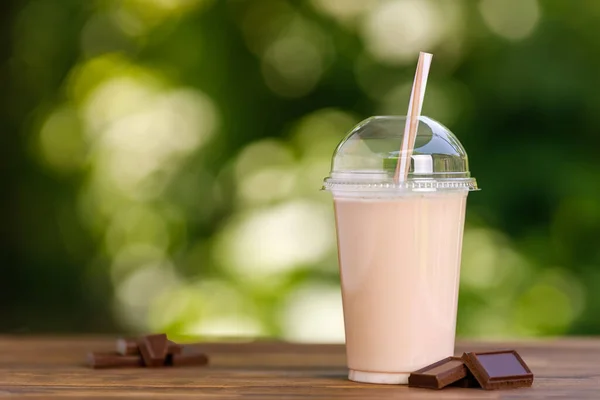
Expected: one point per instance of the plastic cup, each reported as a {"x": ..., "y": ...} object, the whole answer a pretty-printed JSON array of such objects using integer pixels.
[{"x": 399, "y": 246}]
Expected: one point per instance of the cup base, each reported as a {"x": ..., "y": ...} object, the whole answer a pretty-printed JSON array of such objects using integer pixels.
[{"x": 382, "y": 378}]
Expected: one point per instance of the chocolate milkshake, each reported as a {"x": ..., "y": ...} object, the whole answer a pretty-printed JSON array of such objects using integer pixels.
[{"x": 399, "y": 246}]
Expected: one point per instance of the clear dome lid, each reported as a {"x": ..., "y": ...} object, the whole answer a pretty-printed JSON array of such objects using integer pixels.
[{"x": 367, "y": 158}]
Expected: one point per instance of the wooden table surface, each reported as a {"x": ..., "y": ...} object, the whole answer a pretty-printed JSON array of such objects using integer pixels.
[{"x": 53, "y": 368}]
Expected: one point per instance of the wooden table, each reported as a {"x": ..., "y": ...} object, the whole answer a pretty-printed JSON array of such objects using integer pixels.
[{"x": 53, "y": 368}]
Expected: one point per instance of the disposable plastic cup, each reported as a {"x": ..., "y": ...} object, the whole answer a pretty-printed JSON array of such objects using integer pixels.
[{"x": 399, "y": 246}]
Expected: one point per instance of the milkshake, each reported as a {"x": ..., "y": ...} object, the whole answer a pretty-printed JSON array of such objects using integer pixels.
[
  {"x": 399, "y": 265},
  {"x": 399, "y": 247}
]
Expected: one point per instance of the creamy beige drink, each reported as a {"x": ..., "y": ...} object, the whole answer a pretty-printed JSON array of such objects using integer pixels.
[
  {"x": 400, "y": 266},
  {"x": 399, "y": 244}
]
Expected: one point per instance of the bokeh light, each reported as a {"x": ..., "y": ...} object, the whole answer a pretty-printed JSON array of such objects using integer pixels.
[
  {"x": 268, "y": 242},
  {"x": 396, "y": 30},
  {"x": 60, "y": 141},
  {"x": 294, "y": 61},
  {"x": 210, "y": 307},
  {"x": 511, "y": 19},
  {"x": 344, "y": 11},
  {"x": 139, "y": 17},
  {"x": 292, "y": 66},
  {"x": 313, "y": 313},
  {"x": 265, "y": 172}
]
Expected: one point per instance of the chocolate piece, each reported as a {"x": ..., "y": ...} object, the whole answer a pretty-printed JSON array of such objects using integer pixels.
[
  {"x": 130, "y": 346},
  {"x": 113, "y": 360},
  {"x": 499, "y": 369},
  {"x": 127, "y": 347},
  {"x": 174, "y": 348},
  {"x": 154, "y": 349},
  {"x": 468, "y": 381},
  {"x": 187, "y": 358},
  {"x": 439, "y": 374}
]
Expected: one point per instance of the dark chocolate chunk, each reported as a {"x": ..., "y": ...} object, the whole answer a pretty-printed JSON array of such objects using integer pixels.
[
  {"x": 468, "y": 381},
  {"x": 499, "y": 369},
  {"x": 154, "y": 349},
  {"x": 439, "y": 374},
  {"x": 188, "y": 358},
  {"x": 113, "y": 360}
]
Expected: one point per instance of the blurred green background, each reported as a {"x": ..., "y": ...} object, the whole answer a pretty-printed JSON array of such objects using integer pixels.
[{"x": 162, "y": 159}]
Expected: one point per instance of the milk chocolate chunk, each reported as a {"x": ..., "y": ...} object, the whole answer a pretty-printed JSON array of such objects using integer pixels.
[
  {"x": 499, "y": 369},
  {"x": 113, "y": 360},
  {"x": 130, "y": 346},
  {"x": 154, "y": 349},
  {"x": 439, "y": 374},
  {"x": 188, "y": 358},
  {"x": 174, "y": 348}
]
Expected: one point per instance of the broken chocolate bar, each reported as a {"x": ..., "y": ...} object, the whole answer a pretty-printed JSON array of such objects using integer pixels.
[
  {"x": 439, "y": 374},
  {"x": 154, "y": 349},
  {"x": 113, "y": 360},
  {"x": 130, "y": 346},
  {"x": 499, "y": 369},
  {"x": 150, "y": 351}
]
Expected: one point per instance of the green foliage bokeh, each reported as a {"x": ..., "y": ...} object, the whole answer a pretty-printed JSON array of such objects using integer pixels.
[{"x": 163, "y": 158}]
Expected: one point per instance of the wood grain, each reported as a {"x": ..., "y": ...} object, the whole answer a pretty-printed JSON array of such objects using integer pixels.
[{"x": 54, "y": 368}]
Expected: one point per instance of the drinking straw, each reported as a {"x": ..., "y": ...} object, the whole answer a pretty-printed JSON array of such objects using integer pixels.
[{"x": 412, "y": 117}]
